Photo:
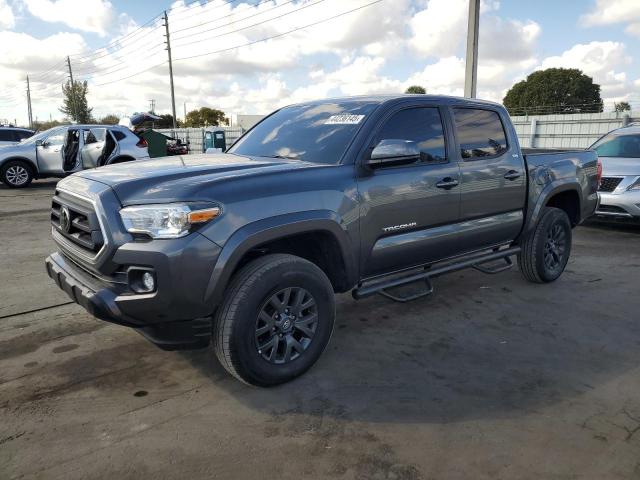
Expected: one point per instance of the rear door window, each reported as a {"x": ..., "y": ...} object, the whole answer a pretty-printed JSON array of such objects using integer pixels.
[
  {"x": 480, "y": 133},
  {"x": 118, "y": 135}
]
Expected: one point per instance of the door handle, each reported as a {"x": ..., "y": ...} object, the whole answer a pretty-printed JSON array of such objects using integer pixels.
[
  {"x": 512, "y": 175},
  {"x": 447, "y": 183}
]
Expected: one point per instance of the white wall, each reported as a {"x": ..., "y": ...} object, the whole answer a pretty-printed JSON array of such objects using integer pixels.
[{"x": 578, "y": 130}]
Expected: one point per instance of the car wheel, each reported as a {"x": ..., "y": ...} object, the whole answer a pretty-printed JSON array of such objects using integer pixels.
[
  {"x": 16, "y": 174},
  {"x": 545, "y": 252},
  {"x": 275, "y": 321}
]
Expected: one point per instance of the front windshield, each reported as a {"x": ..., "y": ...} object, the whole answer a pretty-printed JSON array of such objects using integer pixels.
[
  {"x": 317, "y": 133},
  {"x": 618, "y": 146},
  {"x": 39, "y": 136}
]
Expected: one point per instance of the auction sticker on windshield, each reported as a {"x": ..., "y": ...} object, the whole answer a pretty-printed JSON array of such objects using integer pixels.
[{"x": 344, "y": 120}]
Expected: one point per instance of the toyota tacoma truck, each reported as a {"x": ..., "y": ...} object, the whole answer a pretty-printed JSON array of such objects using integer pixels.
[{"x": 245, "y": 250}]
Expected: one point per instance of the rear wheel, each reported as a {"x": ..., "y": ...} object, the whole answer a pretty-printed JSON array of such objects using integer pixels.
[
  {"x": 16, "y": 174},
  {"x": 275, "y": 321},
  {"x": 546, "y": 251}
]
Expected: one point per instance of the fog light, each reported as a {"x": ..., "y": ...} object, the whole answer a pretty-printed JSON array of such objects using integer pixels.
[
  {"x": 142, "y": 281},
  {"x": 148, "y": 281}
]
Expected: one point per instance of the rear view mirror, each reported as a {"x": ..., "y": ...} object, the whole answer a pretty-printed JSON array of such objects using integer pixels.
[{"x": 394, "y": 151}]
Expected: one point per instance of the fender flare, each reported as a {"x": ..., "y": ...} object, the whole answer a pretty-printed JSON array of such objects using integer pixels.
[
  {"x": 274, "y": 228},
  {"x": 550, "y": 190}
]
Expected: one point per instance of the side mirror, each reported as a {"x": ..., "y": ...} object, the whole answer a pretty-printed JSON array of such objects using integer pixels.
[
  {"x": 39, "y": 143},
  {"x": 394, "y": 151}
]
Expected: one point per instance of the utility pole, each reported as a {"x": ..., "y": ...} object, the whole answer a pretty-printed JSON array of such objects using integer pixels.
[
  {"x": 173, "y": 96},
  {"x": 152, "y": 106},
  {"x": 471, "y": 66},
  {"x": 73, "y": 90},
  {"x": 29, "y": 111},
  {"x": 185, "y": 111}
]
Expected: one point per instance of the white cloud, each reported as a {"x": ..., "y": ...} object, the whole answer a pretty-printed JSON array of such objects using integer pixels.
[
  {"x": 600, "y": 60},
  {"x": 380, "y": 49},
  {"x": 95, "y": 16},
  {"x": 610, "y": 12},
  {"x": 595, "y": 58},
  {"x": 440, "y": 28},
  {"x": 7, "y": 17}
]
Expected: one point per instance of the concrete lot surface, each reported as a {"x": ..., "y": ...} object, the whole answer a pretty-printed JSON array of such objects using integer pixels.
[{"x": 490, "y": 378}]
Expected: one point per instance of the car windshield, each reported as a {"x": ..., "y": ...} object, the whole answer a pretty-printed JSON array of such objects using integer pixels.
[
  {"x": 39, "y": 136},
  {"x": 317, "y": 133},
  {"x": 618, "y": 146}
]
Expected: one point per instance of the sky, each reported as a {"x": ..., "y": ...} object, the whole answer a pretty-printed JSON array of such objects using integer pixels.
[{"x": 254, "y": 56}]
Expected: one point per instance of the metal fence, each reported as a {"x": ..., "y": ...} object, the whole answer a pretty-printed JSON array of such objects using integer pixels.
[
  {"x": 578, "y": 130},
  {"x": 195, "y": 136}
]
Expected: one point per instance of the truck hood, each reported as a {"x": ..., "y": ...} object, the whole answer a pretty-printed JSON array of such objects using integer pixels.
[
  {"x": 182, "y": 178},
  {"x": 618, "y": 166}
]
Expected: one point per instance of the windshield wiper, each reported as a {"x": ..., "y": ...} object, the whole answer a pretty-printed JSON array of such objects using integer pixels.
[{"x": 280, "y": 156}]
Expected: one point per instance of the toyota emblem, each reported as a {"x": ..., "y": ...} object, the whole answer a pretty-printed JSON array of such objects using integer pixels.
[{"x": 65, "y": 219}]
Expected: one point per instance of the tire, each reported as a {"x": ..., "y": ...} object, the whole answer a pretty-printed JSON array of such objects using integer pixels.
[
  {"x": 16, "y": 174},
  {"x": 251, "y": 336},
  {"x": 546, "y": 251}
]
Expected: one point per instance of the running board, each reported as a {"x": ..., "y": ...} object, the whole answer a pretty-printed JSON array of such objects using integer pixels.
[{"x": 382, "y": 285}]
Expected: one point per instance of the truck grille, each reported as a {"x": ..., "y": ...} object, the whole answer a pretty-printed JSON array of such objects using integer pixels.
[
  {"x": 76, "y": 221},
  {"x": 609, "y": 184}
]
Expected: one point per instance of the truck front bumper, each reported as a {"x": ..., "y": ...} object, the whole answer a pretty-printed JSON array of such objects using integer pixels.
[{"x": 174, "y": 316}]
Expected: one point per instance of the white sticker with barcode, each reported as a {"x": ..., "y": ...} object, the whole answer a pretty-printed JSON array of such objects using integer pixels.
[{"x": 344, "y": 120}]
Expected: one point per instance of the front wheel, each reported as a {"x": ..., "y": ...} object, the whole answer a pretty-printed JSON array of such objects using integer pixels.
[
  {"x": 275, "y": 321},
  {"x": 545, "y": 252},
  {"x": 16, "y": 174}
]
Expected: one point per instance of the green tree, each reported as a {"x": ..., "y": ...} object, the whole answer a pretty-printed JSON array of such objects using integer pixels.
[
  {"x": 205, "y": 117},
  {"x": 622, "y": 107},
  {"x": 416, "y": 89},
  {"x": 109, "y": 119},
  {"x": 74, "y": 102},
  {"x": 554, "y": 90}
]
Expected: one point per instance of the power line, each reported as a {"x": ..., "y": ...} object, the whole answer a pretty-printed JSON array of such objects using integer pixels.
[
  {"x": 280, "y": 34},
  {"x": 120, "y": 40},
  {"x": 229, "y": 15},
  {"x": 246, "y": 44},
  {"x": 278, "y": 17},
  {"x": 177, "y": 16},
  {"x": 126, "y": 62}
]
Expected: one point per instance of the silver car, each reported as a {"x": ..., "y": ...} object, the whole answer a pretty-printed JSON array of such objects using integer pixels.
[
  {"x": 61, "y": 151},
  {"x": 619, "y": 152}
]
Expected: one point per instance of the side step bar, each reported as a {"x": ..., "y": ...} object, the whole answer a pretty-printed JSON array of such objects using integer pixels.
[{"x": 476, "y": 261}]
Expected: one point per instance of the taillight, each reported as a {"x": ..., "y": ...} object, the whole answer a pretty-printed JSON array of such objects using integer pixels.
[
  {"x": 142, "y": 143},
  {"x": 599, "y": 173}
]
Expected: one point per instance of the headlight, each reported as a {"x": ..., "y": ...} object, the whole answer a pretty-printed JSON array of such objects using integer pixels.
[
  {"x": 171, "y": 220},
  {"x": 635, "y": 186}
]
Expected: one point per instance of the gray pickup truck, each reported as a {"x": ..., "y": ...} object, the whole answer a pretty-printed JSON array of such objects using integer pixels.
[{"x": 246, "y": 249}]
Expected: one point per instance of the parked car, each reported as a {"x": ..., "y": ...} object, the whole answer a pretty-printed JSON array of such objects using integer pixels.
[
  {"x": 12, "y": 135},
  {"x": 60, "y": 151},
  {"x": 246, "y": 249},
  {"x": 619, "y": 152}
]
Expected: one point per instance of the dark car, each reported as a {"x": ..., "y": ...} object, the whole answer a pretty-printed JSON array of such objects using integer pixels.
[{"x": 365, "y": 194}]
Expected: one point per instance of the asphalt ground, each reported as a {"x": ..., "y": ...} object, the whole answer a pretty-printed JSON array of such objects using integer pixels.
[{"x": 489, "y": 378}]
